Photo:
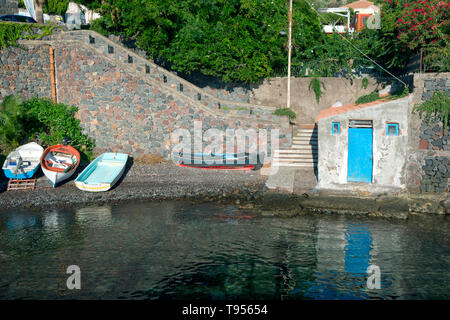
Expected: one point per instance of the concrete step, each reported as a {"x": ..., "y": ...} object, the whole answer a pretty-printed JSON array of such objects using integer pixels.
[
  {"x": 304, "y": 140},
  {"x": 303, "y": 144},
  {"x": 311, "y": 160},
  {"x": 295, "y": 151},
  {"x": 293, "y": 158},
  {"x": 305, "y": 137},
  {"x": 304, "y": 147},
  {"x": 305, "y": 165},
  {"x": 306, "y": 134}
]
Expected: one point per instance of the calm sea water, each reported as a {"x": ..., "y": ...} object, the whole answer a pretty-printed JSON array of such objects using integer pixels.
[{"x": 176, "y": 250}]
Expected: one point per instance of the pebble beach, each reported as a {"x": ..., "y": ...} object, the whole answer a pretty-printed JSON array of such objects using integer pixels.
[{"x": 152, "y": 182}]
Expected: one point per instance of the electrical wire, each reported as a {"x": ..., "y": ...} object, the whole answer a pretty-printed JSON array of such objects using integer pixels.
[{"x": 360, "y": 51}]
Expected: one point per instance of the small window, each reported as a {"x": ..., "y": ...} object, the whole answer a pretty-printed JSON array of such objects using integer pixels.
[
  {"x": 335, "y": 128},
  {"x": 392, "y": 129}
]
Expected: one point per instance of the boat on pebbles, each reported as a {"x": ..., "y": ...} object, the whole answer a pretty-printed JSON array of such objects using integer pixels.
[{"x": 59, "y": 162}]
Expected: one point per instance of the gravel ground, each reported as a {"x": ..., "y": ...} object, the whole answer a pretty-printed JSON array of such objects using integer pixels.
[{"x": 142, "y": 182}]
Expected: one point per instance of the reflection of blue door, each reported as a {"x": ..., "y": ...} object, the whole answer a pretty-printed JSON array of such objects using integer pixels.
[
  {"x": 357, "y": 250},
  {"x": 360, "y": 159}
]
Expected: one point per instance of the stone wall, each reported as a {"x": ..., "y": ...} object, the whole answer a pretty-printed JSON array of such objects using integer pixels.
[
  {"x": 427, "y": 142},
  {"x": 433, "y": 84},
  {"x": 122, "y": 104},
  {"x": 127, "y": 112},
  {"x": 433, "y": 136},
  {"x": 8, "y": 7},
  {"x": 139, "y": 65},
  {"x": 237, "y": 92},
  {"x": 436, "y": 174},
  {"x": 25, "y": 71}
]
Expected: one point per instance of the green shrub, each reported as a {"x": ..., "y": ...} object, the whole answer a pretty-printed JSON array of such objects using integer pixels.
[
  {"x": 316, "y": 85},
  {"x": 52, "y": 122},
  {"x": 12, "y": 132},
  {"x": 365, "y": 83},
  {"x": 368, "y": 98},
  {"x": 400, "y": 92},
  {"x": 10, "y": 33},
  {"x": 285, "y": 112},
  {"x": 41, "y": 120},
  {"x": 436, "y": 108}
]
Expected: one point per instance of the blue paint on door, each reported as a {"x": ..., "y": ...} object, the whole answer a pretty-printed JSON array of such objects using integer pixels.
[{"x": 360, "y": 154}]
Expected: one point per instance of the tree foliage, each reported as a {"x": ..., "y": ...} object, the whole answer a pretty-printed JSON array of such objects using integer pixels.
[
  {"x": 236, "y": 40},
  {"x": 246, "y": 40},
  {"x": 407, "y": 26},
  {"x": 58, "y": 7}
]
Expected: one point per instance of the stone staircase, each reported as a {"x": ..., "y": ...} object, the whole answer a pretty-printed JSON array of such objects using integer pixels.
[
  {"x": 168, "y": 80},
  {"x": 303, "y": 151}
]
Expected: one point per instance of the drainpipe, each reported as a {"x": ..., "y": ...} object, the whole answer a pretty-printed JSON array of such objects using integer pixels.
[
  {"x": 288, "y": 98},
  {"x": 52, "y": 74}
]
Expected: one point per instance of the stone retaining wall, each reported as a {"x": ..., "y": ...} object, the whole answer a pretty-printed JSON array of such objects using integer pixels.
[
  {"x": 432, "y": 136},
  {"x": 436, "y": 174},
  {"x": 25, "y": 71},
  {"x": 237, "y": 92},
  {"x": 125, "y": 102},
  {"x": 167, "y": 79},
  {"x": 428, "y": 145},
  {"x": 435, "y": 84},
  {"x": 125, "y": 112},
  {"x": 8, "y": 7}
]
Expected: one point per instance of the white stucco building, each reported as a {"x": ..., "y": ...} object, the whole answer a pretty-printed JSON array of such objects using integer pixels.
[{"x": 363, "y": 147}]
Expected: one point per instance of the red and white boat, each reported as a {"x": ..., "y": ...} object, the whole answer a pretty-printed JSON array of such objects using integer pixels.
[{"x": 59, "y": 162}]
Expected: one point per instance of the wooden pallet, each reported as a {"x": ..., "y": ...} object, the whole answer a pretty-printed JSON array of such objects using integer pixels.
[{"x": 23, "y": 184}]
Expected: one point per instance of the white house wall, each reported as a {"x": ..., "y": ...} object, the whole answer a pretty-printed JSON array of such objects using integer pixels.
[{"x": 389, "y": 152}]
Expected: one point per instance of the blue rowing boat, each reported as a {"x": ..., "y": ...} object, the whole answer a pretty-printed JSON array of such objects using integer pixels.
[
  {"x": 23, "y": 162},
  {"x": 218, "y": 161}
]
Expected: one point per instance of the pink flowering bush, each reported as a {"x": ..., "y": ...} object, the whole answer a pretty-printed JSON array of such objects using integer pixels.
[{"x": 424, "y": 23}]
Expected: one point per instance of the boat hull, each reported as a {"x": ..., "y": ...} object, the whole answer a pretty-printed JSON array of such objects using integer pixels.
[
  {"x": 23, "y": 162},
  {"x": 27, "y": 175},
  {"x": 57, "y": 177},
  {"x": 221, "y": 161},
  {"x": 102, "y": 173},
  {"x": 59, "y": 163}
]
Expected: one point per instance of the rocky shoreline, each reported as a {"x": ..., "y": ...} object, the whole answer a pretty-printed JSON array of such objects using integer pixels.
[{"x": 165, "y": 181}]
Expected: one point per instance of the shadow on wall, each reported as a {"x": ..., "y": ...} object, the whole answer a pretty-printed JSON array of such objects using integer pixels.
[
  {"x": 239, "y": 92},
  {"x": 272, "y": 92}
]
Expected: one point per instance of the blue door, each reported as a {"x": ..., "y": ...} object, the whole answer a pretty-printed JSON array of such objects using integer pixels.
[{"x": 360, "y": 159}]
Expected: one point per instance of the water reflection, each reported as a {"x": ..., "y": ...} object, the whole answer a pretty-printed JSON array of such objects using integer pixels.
[
  {"x": 94, "y": 214},
  {"x": 343, "y": 253},
  {"x": 175, "y": 250},
  {"x": 20, "y": 221}
]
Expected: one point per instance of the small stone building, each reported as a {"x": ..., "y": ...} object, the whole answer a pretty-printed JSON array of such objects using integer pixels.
[
  {"x": 363, "y": 147},
  {"x": 8, "y": 7}
]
